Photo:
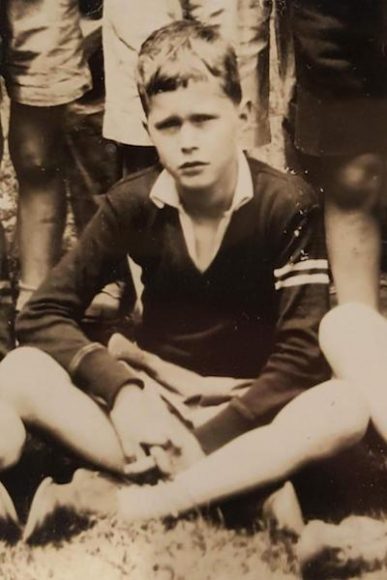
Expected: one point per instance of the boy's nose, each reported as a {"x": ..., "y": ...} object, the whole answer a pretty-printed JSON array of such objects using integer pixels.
[{"x": 188, "y": 138}]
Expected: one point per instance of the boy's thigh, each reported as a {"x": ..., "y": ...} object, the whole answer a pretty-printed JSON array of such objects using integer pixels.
[
  {"x": 46, "y": 65},
  {"x": 30, "y": 368}
]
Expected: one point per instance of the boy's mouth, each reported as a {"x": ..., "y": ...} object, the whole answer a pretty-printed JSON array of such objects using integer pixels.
[{"x": 192, "y": 166}]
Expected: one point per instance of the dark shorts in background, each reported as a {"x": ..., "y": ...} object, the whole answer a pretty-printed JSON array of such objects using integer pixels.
[
  {"x": 341, "y": 73},
  {"x": 341, "y": 126}
]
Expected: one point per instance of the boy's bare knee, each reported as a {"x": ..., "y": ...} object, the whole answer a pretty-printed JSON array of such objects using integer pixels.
[
  {"x": 344, "y": 322},
  {"x": 350, "y": 414},
  {"x": 324, "y": 420},
  {"x": 27, "y": 374}
]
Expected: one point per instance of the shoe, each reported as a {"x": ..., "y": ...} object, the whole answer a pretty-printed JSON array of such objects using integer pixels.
[
  {"x": 282, "y": 511},
  {"x": 52, "y": 518},
  {"x": 10, "y": 530},
  {"x": 356, "y": 545}
]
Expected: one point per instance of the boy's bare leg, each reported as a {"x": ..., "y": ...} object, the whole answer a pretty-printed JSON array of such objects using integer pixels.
[
  {"x": 37, "y": 148},
  {"x": 12, "y": 436},
  {"x": 353, "y": 338},
  {"x": 315, "y": 425},
  {"x": 353, "y": 188},
  {"x": 42, "y": 395},
  {"x": 318, "y": 424}
]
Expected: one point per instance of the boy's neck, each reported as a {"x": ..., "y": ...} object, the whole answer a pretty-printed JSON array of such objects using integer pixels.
[{"x": 214, "y": 202}]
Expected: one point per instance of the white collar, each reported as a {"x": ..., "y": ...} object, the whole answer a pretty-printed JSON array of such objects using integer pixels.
[{"x": 164, "y": 191}]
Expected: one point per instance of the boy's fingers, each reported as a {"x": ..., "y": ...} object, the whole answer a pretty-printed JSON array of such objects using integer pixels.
[
  {"x": 158, "y": 457},
  {"x": 162, "y": 459},
  {"x": 140, "y": 466},
  {"x": 155, "y": 432},
  {"x": 133, "y": 451}
]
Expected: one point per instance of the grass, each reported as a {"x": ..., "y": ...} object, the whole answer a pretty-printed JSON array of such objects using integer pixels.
[{"x": 191, "y": 549}]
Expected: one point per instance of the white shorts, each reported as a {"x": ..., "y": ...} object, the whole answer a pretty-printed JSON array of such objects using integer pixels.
[
  {"x": 44, "y": 60},
  {"x": 125, "y": 27}
]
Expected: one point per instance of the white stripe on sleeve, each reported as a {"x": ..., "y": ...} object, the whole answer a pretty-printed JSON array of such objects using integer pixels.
[
  {"x": 321, "y": 264},
  {"x": 302, "y": 280}
]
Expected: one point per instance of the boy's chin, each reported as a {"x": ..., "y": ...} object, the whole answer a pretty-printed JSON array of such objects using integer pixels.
[{"x": 196, "y": 184}]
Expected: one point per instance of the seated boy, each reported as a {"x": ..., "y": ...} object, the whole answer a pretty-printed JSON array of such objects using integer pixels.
[{"x": 235, "y": 285}]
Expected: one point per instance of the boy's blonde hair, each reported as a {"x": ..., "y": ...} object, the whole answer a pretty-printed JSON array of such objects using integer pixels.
[{"x": 183, "y": 52}]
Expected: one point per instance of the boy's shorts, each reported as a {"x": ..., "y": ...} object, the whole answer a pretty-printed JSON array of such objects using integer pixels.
[
  {"x": 44, "y": 64},
  {"x": 197, "y": 409}
]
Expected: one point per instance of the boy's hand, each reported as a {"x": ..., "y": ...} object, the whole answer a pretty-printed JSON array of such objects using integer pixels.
[
  {"x": 140, "y": 422},
  {"x": 182, "y": 451}
]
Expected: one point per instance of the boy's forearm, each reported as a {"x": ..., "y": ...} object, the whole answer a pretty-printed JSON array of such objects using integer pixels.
[
  {"x": 256, "y": 408},
  {"x": 295, "y": 365}
]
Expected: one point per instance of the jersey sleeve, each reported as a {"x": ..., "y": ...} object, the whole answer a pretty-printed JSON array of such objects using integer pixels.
[{"x": 51, "y": 320}]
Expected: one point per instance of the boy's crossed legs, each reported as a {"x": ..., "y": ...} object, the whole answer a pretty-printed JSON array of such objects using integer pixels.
[
  {"x": 45, "y": 398},
  {"x": 319, "y": 423}
]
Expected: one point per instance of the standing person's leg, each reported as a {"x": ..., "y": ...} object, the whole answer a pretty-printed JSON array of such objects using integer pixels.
[
  {"x": 45, "y": 68},
  {"x": 340, "y": 121},
  {"x": 253, "y": 51},
  {"x": 285, "y": 47},
  {"x": 7, "y": 310},
  {"x": 36, "y": 148},
  {"x": 352, "y": 188},
  {"x": 6, "y": 301}
]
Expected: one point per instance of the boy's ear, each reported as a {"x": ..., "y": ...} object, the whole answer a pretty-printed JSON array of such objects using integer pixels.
[
  {"x": 245, "y": 111},
  {"x": 245, "y": 115}
]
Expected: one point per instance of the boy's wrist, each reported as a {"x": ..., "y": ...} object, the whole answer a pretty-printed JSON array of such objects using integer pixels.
[
  {"x": 128, "y": 390},
  {"x": 225, "y": 426}
]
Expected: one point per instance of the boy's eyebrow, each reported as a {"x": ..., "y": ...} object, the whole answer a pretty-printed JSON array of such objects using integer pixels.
[{"x": 172, "y": 119}]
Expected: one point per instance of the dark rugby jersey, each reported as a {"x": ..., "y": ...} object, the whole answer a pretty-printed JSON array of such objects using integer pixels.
[{"x": 254, "y": 311}]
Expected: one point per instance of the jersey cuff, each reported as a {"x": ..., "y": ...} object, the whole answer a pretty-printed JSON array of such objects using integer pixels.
[{"x": 102, "y": 375}]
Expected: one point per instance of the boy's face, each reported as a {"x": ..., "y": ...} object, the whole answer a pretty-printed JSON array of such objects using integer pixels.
[{"x": 195, "y": 131}]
